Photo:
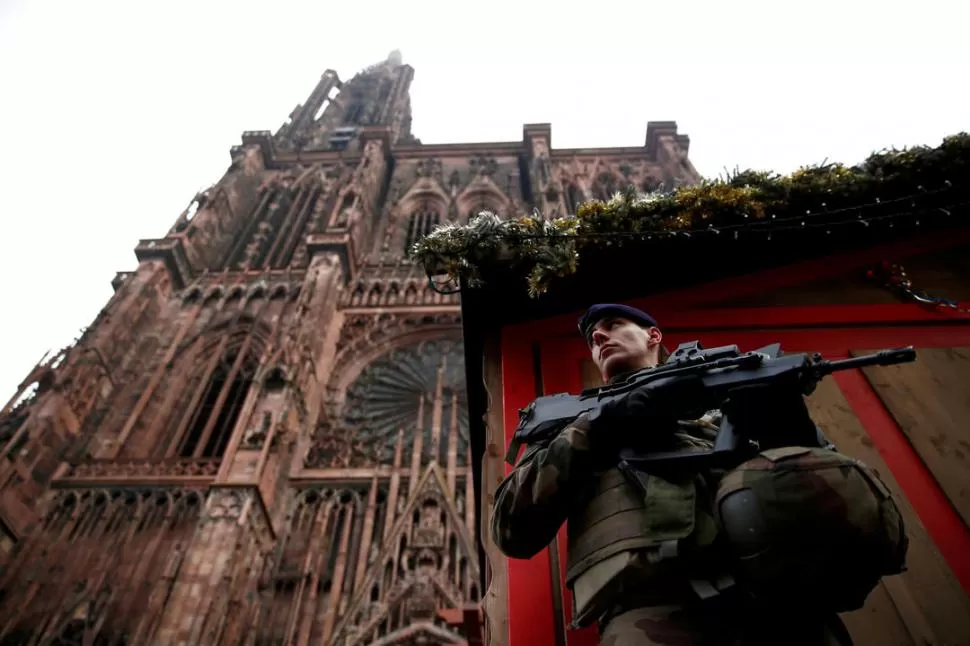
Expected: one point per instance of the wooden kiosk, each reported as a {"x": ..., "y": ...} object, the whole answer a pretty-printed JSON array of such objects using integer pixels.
[{"x": 840, "y": 286}]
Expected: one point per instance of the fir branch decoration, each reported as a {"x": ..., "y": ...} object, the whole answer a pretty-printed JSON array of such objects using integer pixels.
[{"x": 542, "y": 250}]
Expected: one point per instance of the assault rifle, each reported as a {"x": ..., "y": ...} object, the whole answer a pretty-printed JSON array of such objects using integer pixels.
[{"x": 761, "y": 395}]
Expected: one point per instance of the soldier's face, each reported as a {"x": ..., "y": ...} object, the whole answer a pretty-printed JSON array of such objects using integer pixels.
[{"x": 619, "y": 346}]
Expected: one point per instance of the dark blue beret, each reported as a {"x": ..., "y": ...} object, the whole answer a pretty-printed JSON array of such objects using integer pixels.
[{"x": 600, "y": 311}]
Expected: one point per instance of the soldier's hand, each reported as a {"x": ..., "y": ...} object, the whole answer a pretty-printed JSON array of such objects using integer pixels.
[
  {"x": 614, "y": 423},
  {"x": 622, "y": 413},
  {"x": 657, "y": 405},
  {"x": 677, "y": 398}
]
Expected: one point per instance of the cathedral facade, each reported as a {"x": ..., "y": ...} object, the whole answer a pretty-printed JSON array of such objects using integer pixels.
[{"x": 262, "y": 438}]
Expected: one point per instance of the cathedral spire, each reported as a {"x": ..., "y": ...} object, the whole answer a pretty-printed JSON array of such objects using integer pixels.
[
  {"x": 335, "y": 111},
  {"x": 306, "y": 114}
]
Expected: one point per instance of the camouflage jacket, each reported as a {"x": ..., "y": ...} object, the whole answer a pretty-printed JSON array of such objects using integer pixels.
[{"x": 537, "y": 497}]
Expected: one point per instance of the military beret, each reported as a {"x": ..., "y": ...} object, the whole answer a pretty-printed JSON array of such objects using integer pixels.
[{"x": 600, "y": 311}]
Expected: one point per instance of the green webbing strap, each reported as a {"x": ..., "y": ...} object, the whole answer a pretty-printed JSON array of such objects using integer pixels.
[{"x": 513, "y": 451}]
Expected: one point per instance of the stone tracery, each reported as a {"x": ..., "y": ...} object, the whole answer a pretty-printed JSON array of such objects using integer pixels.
[
  {"x": 145, "y": 532},
  {"x": 373, "y": 561},
  {"x": 417, "y": 389}
]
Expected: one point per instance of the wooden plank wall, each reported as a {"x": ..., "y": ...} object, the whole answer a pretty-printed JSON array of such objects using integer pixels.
[
  {"x": 924, "y": 605},
  {"x": 930, "y": 401}
]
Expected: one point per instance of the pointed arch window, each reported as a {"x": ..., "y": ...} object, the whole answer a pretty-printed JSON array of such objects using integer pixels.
[
  {"x": 420, "y": 224},
  {"x": 209, "y": 427}
]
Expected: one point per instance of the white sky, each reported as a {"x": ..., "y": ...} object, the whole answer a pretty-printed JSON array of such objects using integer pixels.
[{"x": 114, "y": 114}]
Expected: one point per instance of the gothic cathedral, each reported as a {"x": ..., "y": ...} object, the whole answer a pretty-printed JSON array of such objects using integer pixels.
[{"x": 262, "y": 439}]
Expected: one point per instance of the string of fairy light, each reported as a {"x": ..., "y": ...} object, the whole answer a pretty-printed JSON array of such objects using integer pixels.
[{"x": 770, "y": 223}]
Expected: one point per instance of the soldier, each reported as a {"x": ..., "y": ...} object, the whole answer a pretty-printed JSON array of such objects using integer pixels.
[{"x": 645, "y": 563}]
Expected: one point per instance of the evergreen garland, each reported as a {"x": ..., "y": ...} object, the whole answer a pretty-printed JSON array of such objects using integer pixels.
[{"x": 541, "y": 250}]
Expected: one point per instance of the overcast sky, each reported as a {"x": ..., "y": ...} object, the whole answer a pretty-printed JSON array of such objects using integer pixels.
[{"x": 114, "y": 114}]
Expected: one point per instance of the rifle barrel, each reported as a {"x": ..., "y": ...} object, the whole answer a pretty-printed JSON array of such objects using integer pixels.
[{"x": 888, "y": 357}]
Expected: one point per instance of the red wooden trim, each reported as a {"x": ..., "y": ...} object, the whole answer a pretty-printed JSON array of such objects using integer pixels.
[
  {"x": 561, "y": 373},
  {"x": 944, "y": 525},
  {"x": 760, "y": 282},
  {"x": 530, "y": 610}
]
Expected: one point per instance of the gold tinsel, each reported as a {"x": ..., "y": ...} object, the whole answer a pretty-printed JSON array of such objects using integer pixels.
[{"x": 542, "y": 250}]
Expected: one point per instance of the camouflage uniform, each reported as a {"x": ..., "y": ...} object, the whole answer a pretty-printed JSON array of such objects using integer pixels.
[
  {"x": 532, "y": 503},
  {"x": 552, "y": 483}
]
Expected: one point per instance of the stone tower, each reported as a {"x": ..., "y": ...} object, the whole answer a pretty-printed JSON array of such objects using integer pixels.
[{"x": 262, "y": 437}]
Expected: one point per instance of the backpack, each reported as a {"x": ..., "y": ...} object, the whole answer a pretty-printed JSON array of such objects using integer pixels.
[{"x": 809, "y": 525}]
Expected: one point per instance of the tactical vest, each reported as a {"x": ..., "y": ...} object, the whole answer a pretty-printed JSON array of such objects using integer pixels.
[
  {"x": 625, "y": 539},
  {"x": 795, "y": 524}
]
